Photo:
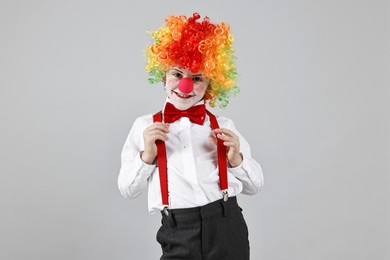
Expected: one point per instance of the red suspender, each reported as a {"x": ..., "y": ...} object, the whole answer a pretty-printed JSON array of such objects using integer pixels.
[
  {"x": 162, "y": 164},
  {"x": 221, "y": 151},
  {"x": 162, "y": 160}
]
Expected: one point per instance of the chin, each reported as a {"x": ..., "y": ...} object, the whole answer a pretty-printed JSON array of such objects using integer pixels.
[{"x": 182, "y": 106}]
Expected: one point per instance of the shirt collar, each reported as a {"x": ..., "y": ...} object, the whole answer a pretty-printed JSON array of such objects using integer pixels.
[{"x": 201, "y": 102}]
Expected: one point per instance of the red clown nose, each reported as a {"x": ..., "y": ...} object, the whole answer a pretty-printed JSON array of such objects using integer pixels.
[{"x": 186, "y": 85}]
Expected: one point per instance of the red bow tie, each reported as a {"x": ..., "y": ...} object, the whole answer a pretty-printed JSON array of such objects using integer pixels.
[{"x": 196, "y": 114}]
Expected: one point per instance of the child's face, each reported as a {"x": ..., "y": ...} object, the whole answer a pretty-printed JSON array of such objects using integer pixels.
[{"x": 180, "y": 100}]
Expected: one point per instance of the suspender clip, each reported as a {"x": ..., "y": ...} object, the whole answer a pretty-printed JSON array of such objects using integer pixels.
[
  {"x": 166, "y": 211},
  {"x": 225, "y": 195}
]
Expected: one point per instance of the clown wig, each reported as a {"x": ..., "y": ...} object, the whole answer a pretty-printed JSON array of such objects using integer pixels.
[{"x": 198, "y": 46}]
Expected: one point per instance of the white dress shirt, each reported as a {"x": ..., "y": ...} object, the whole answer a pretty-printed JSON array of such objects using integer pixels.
[{"x": 193, "y": 177}]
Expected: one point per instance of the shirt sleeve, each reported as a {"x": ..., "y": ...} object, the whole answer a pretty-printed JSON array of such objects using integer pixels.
[
  {"x": 249, "y": 172},
  {"x": 134, "y": 173}
]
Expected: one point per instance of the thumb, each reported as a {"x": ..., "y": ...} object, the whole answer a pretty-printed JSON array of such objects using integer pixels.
[{"x": 213, "y": 139}]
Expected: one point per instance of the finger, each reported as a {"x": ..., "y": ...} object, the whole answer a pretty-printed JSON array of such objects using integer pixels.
[
  {"x": 162, "y": 126},
  {"x": 149, "y": 135},
  {"x": 226, "y": 132},
  {"x": 155, "y": 131},
  {"x": 226, "y": 137},
  {"x": 230, "y": 144},
  {"x": 158, "y": 136}
]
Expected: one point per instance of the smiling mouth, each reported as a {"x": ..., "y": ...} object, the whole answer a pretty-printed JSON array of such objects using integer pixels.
[{"x": 184, "y": 96}]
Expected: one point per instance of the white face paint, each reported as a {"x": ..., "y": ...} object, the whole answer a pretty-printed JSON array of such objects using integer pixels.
[{"x": 180, "y": 100}]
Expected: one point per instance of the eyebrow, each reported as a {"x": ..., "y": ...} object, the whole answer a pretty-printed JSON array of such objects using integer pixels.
[
  {"x": 194, "y": 75},
  {"x": 177, "y": 70}
]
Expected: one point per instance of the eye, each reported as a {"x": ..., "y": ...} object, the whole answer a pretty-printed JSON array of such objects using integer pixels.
[
  {"x": 177, "y": 74},
  {"x": 197, "y": 79}
]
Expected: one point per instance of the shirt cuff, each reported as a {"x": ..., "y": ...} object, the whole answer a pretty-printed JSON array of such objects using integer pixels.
[
  {"x": 144, "y": 167},
  {"x": 239, "y": 170}
]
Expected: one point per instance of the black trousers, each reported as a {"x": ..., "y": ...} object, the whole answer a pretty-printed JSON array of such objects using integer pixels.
[{"x": 216, "y": 231}]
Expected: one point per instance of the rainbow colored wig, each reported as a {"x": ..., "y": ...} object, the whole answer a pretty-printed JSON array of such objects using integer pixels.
[{"x": 198, "y": 46}]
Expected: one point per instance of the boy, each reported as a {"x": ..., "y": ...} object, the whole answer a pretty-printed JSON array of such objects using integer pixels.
[{"x": 193, "y": 163}]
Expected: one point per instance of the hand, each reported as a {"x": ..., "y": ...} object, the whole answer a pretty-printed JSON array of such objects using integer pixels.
[
  {"x": 156, "y": 131},
  {"x": 232, "y": 143}
]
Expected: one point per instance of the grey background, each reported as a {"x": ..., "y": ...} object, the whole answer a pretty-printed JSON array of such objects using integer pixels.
[{"x": 314, "y": 104}]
